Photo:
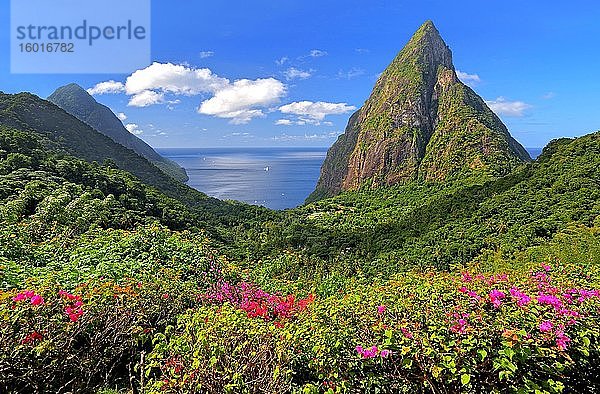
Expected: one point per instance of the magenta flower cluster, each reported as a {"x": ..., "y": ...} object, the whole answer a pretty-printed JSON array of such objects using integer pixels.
[
  {"x": 373, "y": 352},
  {"x": 547, "y": 295},
  {"x": 35, "y": 299},
  {"x": 255, "y": 301}
]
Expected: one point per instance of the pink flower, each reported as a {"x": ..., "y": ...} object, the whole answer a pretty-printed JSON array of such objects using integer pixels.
[
  {"x": 406, "y": 333},
  {"x": 546, "y": 299},
  {"x": 496, "y": 297},
  {"x": 474, "y": 295},
  {"x": 459, "y": 327},
  {"x": 546, "y": 267},
  {"x": 68, "y": 296},
  {"x": 19, "y": 297},
  {"x": 381, "y": 309},
  {"x": 385, "y": 353},
  {"x": 370, "y": 353},
  {"x": 367, "y": 353},
  {"x": 522, "y": 298},
  {"x": 562, "y": 340},
  {"x": 546, "y": 326},
  {"x": 165, "y": 296},
  {"x": 37, "y": 300}
]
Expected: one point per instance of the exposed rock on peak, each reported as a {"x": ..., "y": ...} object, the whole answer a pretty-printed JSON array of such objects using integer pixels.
[{"x": 420, "y": 122}]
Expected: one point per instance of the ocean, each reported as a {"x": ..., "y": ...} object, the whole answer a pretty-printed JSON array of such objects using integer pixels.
[{"x": 277, "y": 178}]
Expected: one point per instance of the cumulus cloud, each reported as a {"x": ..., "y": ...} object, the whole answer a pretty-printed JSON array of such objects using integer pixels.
[
  {"x": 294, "y": 73},
  {"x": 108, "y": 87},
  {"x": 133, "y": 129},
  {"x": 317, "y": 53},
  {"x": 146, "y": 98},
  {"x": 205, "y": 54},
  {"x": 241, "y": 101},
  {"x": 174, "y": 78},
  {"x": 501, "y": 106},
  {"x": 468, "y": 79},
  {"x": 121, "y": 116},
  {"x": 314, "y": 112}
]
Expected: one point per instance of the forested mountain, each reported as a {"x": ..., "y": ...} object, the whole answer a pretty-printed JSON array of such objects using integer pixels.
[
  {"x": 380, "y": 231},
  {"x": 63, "y": 132},
  {"x": 420, "y": 122},
  {"x": 76, "y": 101}
]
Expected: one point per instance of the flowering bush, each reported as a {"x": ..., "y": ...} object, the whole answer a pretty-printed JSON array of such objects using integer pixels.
[
  {"x": 53, "y": 340},
  {"x": 523, "y": 330},
  {"x": 236, "y": 333}
]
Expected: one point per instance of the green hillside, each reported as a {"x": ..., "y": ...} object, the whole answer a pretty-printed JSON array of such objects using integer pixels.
[
  {"x": 63, "y": 132},
  {"x": 442, "y": 225},
  {"x": 76, "y": 101}
]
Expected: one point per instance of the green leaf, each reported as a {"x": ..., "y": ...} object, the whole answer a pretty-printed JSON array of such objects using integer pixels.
[
  {"x": 465, "y": 379},
  {"x": 482, "y": 354}
]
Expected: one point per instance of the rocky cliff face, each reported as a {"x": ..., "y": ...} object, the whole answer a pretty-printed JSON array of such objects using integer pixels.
[{"x": 420, "y": 122}]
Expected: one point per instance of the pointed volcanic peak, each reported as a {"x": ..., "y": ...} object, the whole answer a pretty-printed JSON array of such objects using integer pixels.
[
  {"x": 419, "y": 123},
  {"x": 76, "y": 101}
]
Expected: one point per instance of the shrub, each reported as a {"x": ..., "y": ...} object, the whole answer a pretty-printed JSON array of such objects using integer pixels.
[{"x": 519, "y": 331}]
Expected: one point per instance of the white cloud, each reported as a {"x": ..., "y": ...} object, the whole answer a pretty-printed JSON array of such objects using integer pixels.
[
  {"x": 107, "y": 87},
  {"x": 362, "y": 50},
  {"x": 294, "y": 73},
  {"x": 468, "y": 79},
  {"x": 121, "y": 116},
  {"x": 508, "y": 108},
  {"x": 549, "y": 95},
  {"x": 315, "y": 112},
  {"x": 133, "y": 129},
  {"x": 352, "y": 73},
  {"x": 282, "y": 61},
  {"x": 241, "y": 100},
  {"x": 205, "y": 54},
  {"x": 284, "y": 122},
  {"x": 317, "y": 53},
  {"x": 174, "y": 78},
  {"x": 146, "y": 98}
]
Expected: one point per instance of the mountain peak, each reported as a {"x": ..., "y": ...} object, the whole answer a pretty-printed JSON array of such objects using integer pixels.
[
  {"x": 427, "y": 31},
  {"x": 427, "y": 47},
  {"x": 72, "y": 93},
  {"x": 419, "y": 123},
  {"x": 76, "y": 101}
]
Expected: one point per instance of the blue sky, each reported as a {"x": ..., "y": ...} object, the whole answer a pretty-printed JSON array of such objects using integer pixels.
[{"x": 275, "y": 73}]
